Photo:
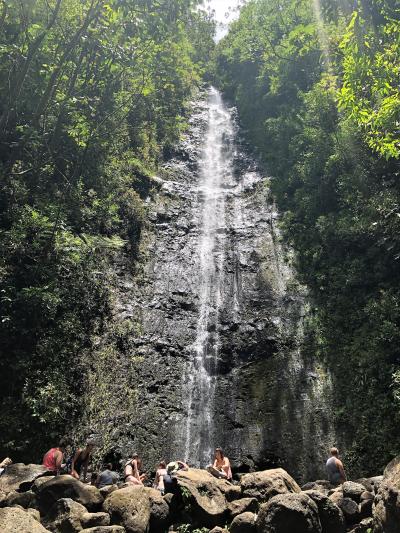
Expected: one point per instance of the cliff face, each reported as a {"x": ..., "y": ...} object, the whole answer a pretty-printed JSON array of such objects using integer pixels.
[{"x": 209, "y": 348}]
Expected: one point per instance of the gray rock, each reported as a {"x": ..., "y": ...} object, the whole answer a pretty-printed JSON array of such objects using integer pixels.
[
  {"x": 67, "y": 487},
  {"x": 20, "y": 477},
  {"x": 242, "y": 506},
  {"x": 209, "y": 506},
  {"x": 24, "y": 499},
  {"x": 34, "y": 512},
  {"x": 129, "y": 507},
  {"x": 386, "y": 510},
  {"x": 365, "y": 526},
  {"x": 289, "y": 513},
  {"x": 243, "y": 523},
  {"x": 353, "y": 490},
  {"x": 367, "y": 496},
  {"x": 366, "y": 508},
  {"x": 320, "y": 485},
  {"x": 16, "y": 520},
  {"x": 350, "y": 510},
  {"x": 264, "y": 485},
  {"x": 330, "y": 515}
]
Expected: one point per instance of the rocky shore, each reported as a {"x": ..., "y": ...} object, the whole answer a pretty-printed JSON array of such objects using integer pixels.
[{"x": 262, "y": 502}]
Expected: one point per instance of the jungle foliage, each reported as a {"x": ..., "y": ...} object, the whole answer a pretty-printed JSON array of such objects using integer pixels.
[
  {"x": 93, "y": 93},
  {"x": 317, "y": 88}
]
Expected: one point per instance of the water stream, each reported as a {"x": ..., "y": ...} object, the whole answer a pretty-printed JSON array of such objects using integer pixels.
[{"x": 215, "y": 182}]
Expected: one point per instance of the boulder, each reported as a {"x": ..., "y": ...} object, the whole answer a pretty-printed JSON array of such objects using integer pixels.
[
  {"x": 330, "y": 515},
  {"x": 353, "y": 490},
  {"x": 336, "y": 497},
  {"x": 159, "y": 511},
  {"x": 386, "y": 510},
  {"x": 206, "y": 495},
  {"x": 365, "y": 526},
  {"x": 104, "y": 529},
  {"x": 350, "y": 510},
  {"x": 264, "y": 485},
  {"x": 20, "y": 477},
  {"x": 244, "y": 523},
  {"x": 39, "y": 481},
  {"x": 108, "y": 489},
  {"x": 375, "y": 482},
  {"x": 366, "y": 508},
  {"x": 65, "y": 516},
  {"x": 244, "y": 505},
  {"x": 16, "y": 520},
  {"x": 34, "y": 512},
  {"x": 67, "y": 487},
  {"x": 321, "y": 485},
  {"x": 366, "y": 483},
  {"x": 367, "y": 496},
  {"x": 24, "y": 499},
  {"x": 129, "y": 507},
  {"x": 289, "y": 513}
]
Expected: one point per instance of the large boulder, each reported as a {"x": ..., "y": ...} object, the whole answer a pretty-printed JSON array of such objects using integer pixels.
[
  {"x": 159, "y": 511},
  {"x": 331, "y": 517},
  {"x": 350, "y": 510},
  {"x": 321, "y": 485},
  {"x": 20, "y": 477},
  {"x": 244, "y": 523},
  {"x": 289, "y": 513},
  {"x": 68, "y": 516},
  {"x": 386, "y": 512},
  {"x": 206, "y": 495},
  {"x": 24, "y": 499},
  {"x": 264, "y": 485},
  {"x": 67, "y": 487},
  {"x": 16, "y": 520},
  {"x": 353, "y": 490},
  {"x": 129, "y": 507},
  {"x": 244, "y": 505}
]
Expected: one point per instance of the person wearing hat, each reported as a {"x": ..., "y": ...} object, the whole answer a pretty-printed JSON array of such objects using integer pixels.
[
  {"x": 81, "y": 460},
  {"x": 169, "y": 480},
  {"x": 132, "y": 471}
]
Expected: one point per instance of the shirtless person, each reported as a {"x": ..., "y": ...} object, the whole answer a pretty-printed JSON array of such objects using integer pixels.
[
  {"x": 221, "y": 467},
  {"x": 159, "y": 479},
  {"x": 334, "y": 466}
]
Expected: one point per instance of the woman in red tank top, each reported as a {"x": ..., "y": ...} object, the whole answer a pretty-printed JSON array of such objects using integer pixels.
[{"x": 53, "y": 459}]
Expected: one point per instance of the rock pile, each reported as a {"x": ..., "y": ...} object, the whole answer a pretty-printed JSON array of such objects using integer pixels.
[{"x": 263, "y": 502}]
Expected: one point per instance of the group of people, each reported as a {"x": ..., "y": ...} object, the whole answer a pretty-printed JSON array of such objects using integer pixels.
[{"x": 165, "y": 480}]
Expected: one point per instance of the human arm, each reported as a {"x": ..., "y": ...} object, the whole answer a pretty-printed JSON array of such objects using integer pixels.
[
  {"x": 58, "y": 459},
  {"x": 85, "y": 467},
  {"x": 75, "y": 458},
  {"x": 182, "y": 465},
  {"x": 136, "y": 472},
  {"x": 226, "y": 466},
  {"x": 339, "y": 464}
]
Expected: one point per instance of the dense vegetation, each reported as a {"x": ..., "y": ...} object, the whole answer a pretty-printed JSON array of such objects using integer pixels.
[
  {"x": 317, "y": 88},
  {"x": 92, "y": 95}
]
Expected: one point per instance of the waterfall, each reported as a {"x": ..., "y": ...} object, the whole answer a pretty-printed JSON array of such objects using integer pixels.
[{"x": 215, "y": 180}]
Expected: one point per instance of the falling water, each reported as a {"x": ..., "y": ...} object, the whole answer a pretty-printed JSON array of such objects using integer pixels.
[{"x": 215, "y": 179}]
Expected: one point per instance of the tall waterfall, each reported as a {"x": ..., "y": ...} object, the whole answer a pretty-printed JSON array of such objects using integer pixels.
[
  {"x": 215, "y": 180},
  {"x": 218, "y": 351}
]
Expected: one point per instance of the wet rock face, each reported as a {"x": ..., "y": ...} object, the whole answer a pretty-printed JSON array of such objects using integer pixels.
[{"x": 216, "y": 352}]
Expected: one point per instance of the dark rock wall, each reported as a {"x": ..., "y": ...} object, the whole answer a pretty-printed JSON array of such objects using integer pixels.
[{"x": 271, "y": 399}]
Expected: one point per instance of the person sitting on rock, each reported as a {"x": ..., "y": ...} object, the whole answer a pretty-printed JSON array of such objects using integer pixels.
[
  {"x": 159, "y": 479},
  {"x": 81, "y": 460},
  {"x": 107, "y": 477},
  {"x": 132, "y": 471},
  {"x": 3, "y": 465},
  {"x": 335, "y": 469},
  {"x": 169, "y": 480},
  {"x": 53, "y": 459},
  {"x": 221, "y": 467}
]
